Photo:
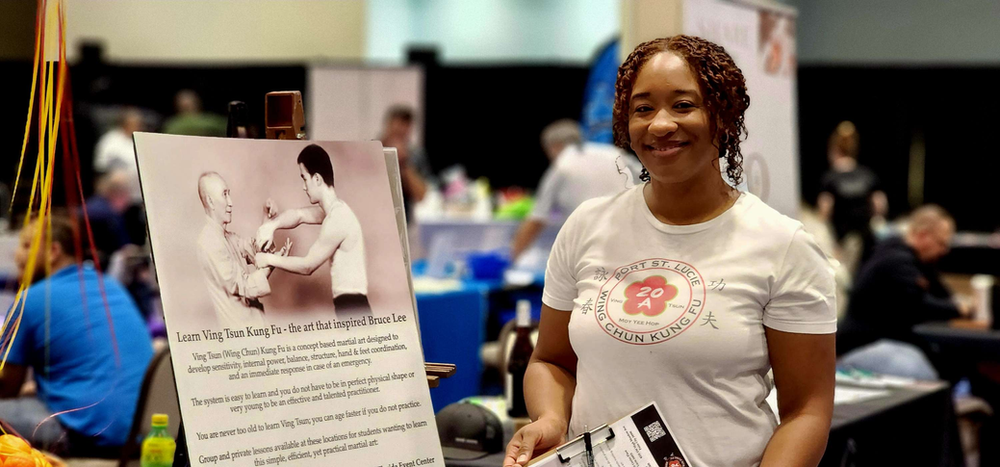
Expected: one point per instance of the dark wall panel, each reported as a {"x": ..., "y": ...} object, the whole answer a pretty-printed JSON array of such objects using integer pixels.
[
  {"x": 952, "y": 109},
  {"x": 489, "y": 119},
  {"x": 151, "y": 88}
]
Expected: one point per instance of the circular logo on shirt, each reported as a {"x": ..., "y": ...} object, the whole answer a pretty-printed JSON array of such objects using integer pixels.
[{"x": 650, "y": 301}]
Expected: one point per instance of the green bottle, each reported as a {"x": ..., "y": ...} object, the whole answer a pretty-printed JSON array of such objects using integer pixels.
[{"x": 158, "y": 448}]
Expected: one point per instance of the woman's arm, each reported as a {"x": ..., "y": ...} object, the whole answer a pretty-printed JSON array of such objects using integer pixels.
[
  {"x": 804, "y": 367},
  {"x": 549, "y": 383}
]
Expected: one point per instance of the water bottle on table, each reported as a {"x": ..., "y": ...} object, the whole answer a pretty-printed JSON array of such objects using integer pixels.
[{"x": 158, "y": 448}]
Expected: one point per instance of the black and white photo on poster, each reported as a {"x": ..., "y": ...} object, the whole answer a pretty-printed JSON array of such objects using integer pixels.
[{"x": 288, "y": 234}]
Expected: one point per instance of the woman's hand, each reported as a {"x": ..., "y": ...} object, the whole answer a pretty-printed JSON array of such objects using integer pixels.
[{"x": 545, "y": 433}]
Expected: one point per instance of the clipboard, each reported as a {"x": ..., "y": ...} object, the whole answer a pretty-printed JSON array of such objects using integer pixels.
[
  {"x": 576, "y": 447},
  {"x": 644, "y": 435}
]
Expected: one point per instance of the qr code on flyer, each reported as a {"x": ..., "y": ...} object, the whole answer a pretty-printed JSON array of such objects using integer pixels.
[{"x": 654, "y": 431}]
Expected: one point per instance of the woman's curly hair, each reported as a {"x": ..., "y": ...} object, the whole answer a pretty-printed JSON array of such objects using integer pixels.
[{"x": 723, "y": 89}]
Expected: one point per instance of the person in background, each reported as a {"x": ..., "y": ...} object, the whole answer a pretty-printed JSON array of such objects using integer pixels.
[
  {"x": 119, "y": 231},
  {"x": 191, "y": 120},
  {"x": 850, "y": 196},
  {"x": 895, "y": 290},
  {"x": 577, "y": 172},
  {"x": 115, "y": 151},
  {"x": 414, "y": 169},
  {"x": 88, "y": 361},
  {"x": 106, "y": 209}
]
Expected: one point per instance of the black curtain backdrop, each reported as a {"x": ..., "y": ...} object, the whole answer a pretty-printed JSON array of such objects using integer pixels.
[
  {"x": 490, "y": 118},
  {"x": 151, "y": 88},
  {"x": 17, "y": 80},
  {"x": 952, "y": 109}
]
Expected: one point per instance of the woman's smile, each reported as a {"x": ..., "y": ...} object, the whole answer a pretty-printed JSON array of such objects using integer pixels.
[{"x": 666, "y": 149}]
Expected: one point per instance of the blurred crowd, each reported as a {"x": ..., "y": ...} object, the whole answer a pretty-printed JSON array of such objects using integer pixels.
[{"x": 887, "y": 279}]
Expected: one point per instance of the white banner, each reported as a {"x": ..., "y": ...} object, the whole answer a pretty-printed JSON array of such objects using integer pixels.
[{"x": 762, "y": 42}]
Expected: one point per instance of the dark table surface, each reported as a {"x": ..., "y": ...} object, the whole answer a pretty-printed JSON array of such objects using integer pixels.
[
  {"x": 984, "y": 344},
  {"x": 846, "y": 414},
  {"x": 973, "y": 354},
  {"x": 913, "y": 425}
]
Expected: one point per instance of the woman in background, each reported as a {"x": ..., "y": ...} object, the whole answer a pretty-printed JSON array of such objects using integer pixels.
[
  {"x": 851, "y": 197},
  {"x": 683, "y": 290}
]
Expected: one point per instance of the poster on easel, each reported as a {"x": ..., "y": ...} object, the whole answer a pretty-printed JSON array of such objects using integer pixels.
[{"x": 285, "y": 293}]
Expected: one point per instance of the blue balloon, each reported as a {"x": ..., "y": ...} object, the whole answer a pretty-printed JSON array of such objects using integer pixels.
[{"x": 599, "y": 95}]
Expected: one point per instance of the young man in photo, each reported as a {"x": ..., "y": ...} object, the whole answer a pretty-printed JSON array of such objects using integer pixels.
[{"x": 340, "y": 241}]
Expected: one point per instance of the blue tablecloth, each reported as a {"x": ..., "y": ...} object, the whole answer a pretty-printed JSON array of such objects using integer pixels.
[{"x": 452, "y": 330}]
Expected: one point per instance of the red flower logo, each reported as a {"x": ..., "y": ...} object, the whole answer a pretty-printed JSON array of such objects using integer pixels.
[{"x": 649, "y": 297}]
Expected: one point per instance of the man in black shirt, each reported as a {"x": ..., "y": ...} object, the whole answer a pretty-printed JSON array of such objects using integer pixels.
[{"x": 895, "y": 290}]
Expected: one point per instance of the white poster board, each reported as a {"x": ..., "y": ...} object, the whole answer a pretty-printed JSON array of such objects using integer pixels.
[{"x": 270, "y": 367}]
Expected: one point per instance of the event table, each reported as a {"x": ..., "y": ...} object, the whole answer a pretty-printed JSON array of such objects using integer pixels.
[
  {"x": 911, "y": 426},
  {"x": 977, "y": 353},
  {"x": 452, "y": 329}
]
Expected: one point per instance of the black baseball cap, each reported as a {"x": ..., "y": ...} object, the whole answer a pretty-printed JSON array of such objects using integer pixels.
[{"x": 468, "y": 431}]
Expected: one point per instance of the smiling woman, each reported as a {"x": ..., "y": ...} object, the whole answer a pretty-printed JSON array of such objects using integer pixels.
[
  {"x": 685, "y": 284},
  {"x": 692, "y": 78}
]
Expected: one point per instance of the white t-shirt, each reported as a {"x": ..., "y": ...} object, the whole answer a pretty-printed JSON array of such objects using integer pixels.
[
  {"x": 581, "y": 173},
  {"x": 114, "y": 151},
  {"x": 676, "y": 314}
]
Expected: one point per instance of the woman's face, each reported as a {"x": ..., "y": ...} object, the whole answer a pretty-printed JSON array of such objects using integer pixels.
[{"x": 668, "y": 125}]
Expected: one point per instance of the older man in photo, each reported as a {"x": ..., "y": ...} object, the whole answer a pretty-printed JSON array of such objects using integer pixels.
[{"x": 234, "y": 281}]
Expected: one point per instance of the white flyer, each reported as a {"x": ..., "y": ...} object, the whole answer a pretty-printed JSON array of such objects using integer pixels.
[{"x": 640, "y": 439}]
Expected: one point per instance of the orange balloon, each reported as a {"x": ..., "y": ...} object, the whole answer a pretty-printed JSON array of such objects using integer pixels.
[
  {"x": 40, "y": 459},
  {"x": 19, "y": 460},
  {"x": 14, "y": 443}
]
